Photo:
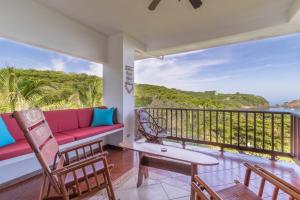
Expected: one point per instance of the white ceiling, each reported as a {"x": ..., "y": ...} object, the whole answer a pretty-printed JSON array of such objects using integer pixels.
[{"x": 175, "y": 26}]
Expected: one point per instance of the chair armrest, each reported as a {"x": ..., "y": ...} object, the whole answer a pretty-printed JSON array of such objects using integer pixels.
[
  {"x": 199, "y": 185},
  {"x": 80, "y": 164}
]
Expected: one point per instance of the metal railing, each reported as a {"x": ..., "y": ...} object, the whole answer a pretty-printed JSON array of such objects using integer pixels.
[{"x": 273, "y": 133}]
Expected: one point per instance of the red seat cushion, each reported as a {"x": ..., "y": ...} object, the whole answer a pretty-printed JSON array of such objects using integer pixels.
[
  {"x": 85, "y": 116},
  {"x": 91, "y": 131},
  {"x": 13, "y": 126},
  {"x": 63, "y": 139},
  {"x": 20, "y": 147},
  {"x": 62, "y": 120}
]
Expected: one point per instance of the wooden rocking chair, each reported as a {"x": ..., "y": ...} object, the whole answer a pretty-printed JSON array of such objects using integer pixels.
[
  {"x": 242, "y": 191},
  {"x": 74, "y": 172},
  {"x": 148, "y": 127}
]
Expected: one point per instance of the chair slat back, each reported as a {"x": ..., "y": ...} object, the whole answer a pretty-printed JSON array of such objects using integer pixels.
[{"x": 39, "y": 136}]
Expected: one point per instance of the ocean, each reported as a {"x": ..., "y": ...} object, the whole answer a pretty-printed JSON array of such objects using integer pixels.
[{"x": 283, "y": 109}]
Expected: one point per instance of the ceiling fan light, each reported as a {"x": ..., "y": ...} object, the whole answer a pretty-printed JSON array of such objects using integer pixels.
[{"x": 196, "y": 3}]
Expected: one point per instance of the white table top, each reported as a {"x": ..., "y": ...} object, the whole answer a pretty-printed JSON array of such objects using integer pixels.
[{"x": 172, "y": 153}]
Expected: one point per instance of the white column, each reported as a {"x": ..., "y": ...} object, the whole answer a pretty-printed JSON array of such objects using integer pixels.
[{"x": 120, "y": 56}]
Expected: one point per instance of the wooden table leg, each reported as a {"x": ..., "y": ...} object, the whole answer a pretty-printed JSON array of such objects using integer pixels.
[
  {"x": 194, "y": 171},
  {"x": 141, "y": 171},
  {"x": 146, "y": 172}
]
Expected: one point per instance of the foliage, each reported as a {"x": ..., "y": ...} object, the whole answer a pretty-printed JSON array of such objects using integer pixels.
[
  {"x": 158, "y": 96},
  {"x": 48, "y": 90},
  {"x": 57, "y": 90}
]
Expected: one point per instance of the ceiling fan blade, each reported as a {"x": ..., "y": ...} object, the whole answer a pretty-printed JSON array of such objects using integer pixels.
[
  {"x": 196, "y": 3},
  {"x": 154, "y": 4}
]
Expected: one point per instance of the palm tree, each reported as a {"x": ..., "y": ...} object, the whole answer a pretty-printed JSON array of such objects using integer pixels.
[
  {"x": 88, "y": 94},
  {"x": 20, "y": 92}
]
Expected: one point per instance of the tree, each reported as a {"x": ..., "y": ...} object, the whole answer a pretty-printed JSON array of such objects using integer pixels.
[
  {"x": 89, "y": 94},
  {"x": 20, "y": 92}
]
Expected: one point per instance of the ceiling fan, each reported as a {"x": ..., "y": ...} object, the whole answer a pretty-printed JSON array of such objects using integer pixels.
[{"x": 195, "y": 3}]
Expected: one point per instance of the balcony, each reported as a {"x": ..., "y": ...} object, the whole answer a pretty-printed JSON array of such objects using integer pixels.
[
  {"x": 90, "y": 31},
  {"x": 263, "y": 134}
]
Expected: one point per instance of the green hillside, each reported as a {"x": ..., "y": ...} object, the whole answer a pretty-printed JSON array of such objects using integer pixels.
[
  {"x": 158, "y": 96},
  {"x": 55, "y": 90}
]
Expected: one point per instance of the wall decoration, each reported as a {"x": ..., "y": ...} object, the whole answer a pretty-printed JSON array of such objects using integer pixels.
[{"x": 129, "y": 79}]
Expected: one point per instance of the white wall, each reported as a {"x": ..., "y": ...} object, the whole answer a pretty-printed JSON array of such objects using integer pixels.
[
  {"x": 120, "y": 54},
  {"x": 29, "y": 22}
]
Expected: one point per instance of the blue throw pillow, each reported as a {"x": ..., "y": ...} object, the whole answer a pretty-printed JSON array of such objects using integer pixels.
[
  {"x": 5, "y": 137},
  {"x": 102, "y": 117}
]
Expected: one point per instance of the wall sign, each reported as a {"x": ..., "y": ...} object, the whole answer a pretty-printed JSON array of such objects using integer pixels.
[{"x": 129, "y": 79}]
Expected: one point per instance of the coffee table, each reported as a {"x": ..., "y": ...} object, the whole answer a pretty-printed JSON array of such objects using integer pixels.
[{"x": 168, "y": 158}]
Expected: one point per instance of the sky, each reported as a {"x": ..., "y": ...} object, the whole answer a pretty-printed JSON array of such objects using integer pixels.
[{"x": 269, "y": 67}]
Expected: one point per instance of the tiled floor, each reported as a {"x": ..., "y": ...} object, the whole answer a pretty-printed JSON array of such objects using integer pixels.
[
  {"x": 159, "y": 186},
  {"x": 163, "y": 185}
]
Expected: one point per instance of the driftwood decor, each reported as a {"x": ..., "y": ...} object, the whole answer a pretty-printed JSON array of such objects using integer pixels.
[{"x": 129, "y": 79}]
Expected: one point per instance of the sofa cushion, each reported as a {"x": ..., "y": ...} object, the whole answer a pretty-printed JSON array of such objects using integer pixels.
[
  {"x": 63, "y": 139},
  {"x": 102, "y": 117},
  {"x": 5, "y": 136},
  {"x": 85, "y": 116},
  {"x": 62, "y": 120},
  {"x": 20, "y": 147},
  {"x": 13, "y": 126},
  {"x": 82, "y": 133}
]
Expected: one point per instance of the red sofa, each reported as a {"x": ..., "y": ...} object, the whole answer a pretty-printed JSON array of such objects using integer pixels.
[{"x": 66, "y": 125}]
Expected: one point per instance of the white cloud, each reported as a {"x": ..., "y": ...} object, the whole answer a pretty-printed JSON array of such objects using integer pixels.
[
  {"x": 174, "y": 73},
  {"x": 94, "y": 69},
  {"x": 58, "y": 64}
]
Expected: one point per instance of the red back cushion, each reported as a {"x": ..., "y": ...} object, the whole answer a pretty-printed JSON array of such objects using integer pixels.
[
  {"x": 62, "y": 120},
  {"x": 13, "y": 126},
  {"x": 85, "y": 116}
]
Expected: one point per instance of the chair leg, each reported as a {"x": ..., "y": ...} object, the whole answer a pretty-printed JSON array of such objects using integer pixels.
[
  {"x": 107, "y": 178},
  {"x": 64, "y": 190},
  {"x": 48, "y": 189},
  {"x": 108, "y": 189},
  {"x": 42, "y": 191},
  {"x": 194, "y": 171}
]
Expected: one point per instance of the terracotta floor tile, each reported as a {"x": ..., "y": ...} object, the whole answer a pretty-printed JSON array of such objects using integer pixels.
[{"x": 220, "y": 176}]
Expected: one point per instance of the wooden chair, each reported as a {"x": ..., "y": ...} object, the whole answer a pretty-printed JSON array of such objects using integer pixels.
[
  {"x": 149, "y": 127},
  {"x": 74, "y": 172},
  {"x": 242, "y": 191}
]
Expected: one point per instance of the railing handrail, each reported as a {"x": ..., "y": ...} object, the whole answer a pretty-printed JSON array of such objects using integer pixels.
[{"x": 224, "y": 110}]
